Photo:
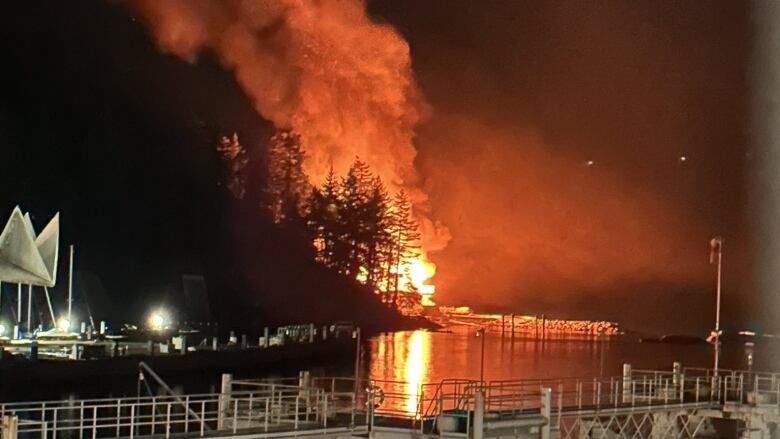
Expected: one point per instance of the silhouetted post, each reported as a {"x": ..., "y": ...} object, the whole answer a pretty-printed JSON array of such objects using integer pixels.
[
  {"x": 243, "y": 341},
  {"x": 503, "y": 325},
  {"x": 266, "y": 338},
  {"x": 357, "y": 362},
  {"x": 626, "y": 383},
  {"x": 481, "y": 334},
  {"x": 70, "y": 284},
  {"x": 546, "y": 411},
  {"x": 512, "y": 320},
  {"x": 677, "y": 377},
  {"x": 536, "y": 326},
  {"x": 18, "y": 304},
  {"x": 10, "y": 425},
  {"x": 479, "y": 415},
  {"x": 224, "y": 399},
  {"x": 311, "y": 332},
  {"x": 29, "y": 308},
  {"x": 716, "y": 256}
]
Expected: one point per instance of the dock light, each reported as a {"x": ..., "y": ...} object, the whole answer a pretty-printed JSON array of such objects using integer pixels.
[
  {"x": 2, "y": 329},
  {"x": 63, "y": 324},
  {"x": 157, "y": 320}
]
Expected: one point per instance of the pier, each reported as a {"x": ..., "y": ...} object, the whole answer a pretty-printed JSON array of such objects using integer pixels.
[
  {"x": 651, "y": 404},
  {"x": 115, "y": 362},
  {"x": 511, "y": 325}
]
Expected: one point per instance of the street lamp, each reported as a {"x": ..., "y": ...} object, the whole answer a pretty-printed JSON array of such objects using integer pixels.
[
  {"x": 481, "y": 334},
  {"x": 716, "y": 257},
  {"x": 64, "y": 324},
  {"x": 157, "y": 320}
]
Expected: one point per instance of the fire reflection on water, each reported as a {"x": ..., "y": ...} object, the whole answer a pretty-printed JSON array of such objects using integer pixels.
[
  {"x": 416, "y": 361},
  {"x": 401, "y": 362},
  {"x": 403, "y": 358}
]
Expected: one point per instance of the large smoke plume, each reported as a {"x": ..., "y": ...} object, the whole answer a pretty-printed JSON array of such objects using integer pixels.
[
  {"x": 321, "y": 68},
  {"x": 542, "y": 229}
]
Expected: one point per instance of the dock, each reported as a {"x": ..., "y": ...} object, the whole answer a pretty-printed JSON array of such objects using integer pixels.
[{"x": 651, "y": 404}]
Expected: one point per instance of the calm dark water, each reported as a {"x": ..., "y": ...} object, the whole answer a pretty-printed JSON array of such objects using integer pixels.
[
  {"x": 420, "y": 357},
  {"x": 413, "y": 358},
  {"x": 429, "y": 357}
]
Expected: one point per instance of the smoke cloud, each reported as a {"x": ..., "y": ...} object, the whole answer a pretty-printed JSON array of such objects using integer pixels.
[
  {"x": 321, "y": 68},
  {"x": 540, "y": 229}
]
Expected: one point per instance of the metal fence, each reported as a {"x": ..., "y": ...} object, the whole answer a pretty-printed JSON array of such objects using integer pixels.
[{"x": 266, "y": 407}]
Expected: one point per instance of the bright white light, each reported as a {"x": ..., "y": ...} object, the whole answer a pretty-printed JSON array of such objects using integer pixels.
[
  {"x": 683, "y": 159},
  {"x": 64, "y": 324},
  {"x": 2, "y": 329},
  {"x": 157, "y": 320},
  {"x": 590, "y": 163}
]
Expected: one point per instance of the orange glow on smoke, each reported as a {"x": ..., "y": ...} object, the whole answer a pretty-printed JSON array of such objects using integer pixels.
[{"x": 326, "y": 70}]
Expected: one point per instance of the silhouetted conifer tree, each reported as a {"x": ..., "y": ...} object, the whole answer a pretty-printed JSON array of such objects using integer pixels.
[
  {"x": 235, "y": 158},
  {"x": 288, "y": 186},
  {"x": 404, "y": 235},
  {"x": 324, "y": 221}
]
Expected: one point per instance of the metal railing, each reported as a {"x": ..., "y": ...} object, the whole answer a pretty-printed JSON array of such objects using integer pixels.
[
  {"x": 142, "y": 416},
  {"x": 269, "y": 408},
  {"x": 288, "y": 405}
]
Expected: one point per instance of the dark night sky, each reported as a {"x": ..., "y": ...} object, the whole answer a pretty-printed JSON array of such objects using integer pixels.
[{"x": 94, "y": 122}]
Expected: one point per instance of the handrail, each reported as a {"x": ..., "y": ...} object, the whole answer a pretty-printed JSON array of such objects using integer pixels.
[
  {"x": 143, "y": 366},
  {"x": 286, "y": 406}
]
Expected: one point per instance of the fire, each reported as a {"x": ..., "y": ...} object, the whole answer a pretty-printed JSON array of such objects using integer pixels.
[
  {"x": 415, "y": 275},
  {"x": 325, "y": 70},
  {"x": 420, "y": 273}
]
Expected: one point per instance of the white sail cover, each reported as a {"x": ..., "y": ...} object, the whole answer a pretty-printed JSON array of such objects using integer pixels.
[{"x": 25, "y": 258}]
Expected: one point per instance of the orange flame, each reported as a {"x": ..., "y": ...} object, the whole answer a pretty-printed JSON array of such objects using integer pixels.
[
  {"x": 420, "y": 273},
  {"x": 324, "y": 69}
]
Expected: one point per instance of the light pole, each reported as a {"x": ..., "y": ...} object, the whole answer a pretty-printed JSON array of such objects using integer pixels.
[
  {"x": 481, "y": 334},
  {"x": 357, "y": 362},
  {"x": 716, "y": 257}
]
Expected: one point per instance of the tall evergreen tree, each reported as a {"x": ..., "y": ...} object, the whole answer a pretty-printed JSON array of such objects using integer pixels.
[
  {"x": 359, "y": 232},
  {"x": 377, "y": 235},
  {"x": 356, "y": 227},
  {"x": 235, "y": 158},
  {"x": 288, "y": 187},
  {"x": 324, "y": 220},
  {"x": 404, "y": 236}
]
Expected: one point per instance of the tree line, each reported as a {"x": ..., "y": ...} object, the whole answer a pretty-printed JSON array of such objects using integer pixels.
[{"x": 354, "y": 226}]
